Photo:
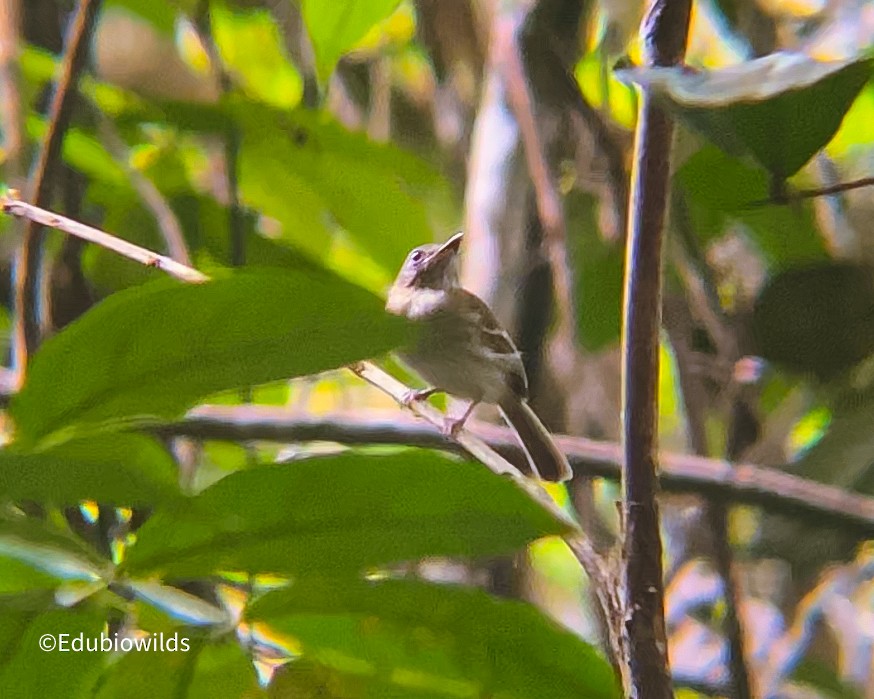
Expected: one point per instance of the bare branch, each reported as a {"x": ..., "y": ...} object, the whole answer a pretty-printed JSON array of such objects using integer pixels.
[
  {"x": 15, "y": 207},
  {"x": 11, "y": 117},
  {"x": 772, "y": 489}
]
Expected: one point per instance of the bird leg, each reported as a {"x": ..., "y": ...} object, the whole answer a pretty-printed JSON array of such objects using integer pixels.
[
  {"x": 452, "y": 425},
  {"x": 415, "y": 395}
]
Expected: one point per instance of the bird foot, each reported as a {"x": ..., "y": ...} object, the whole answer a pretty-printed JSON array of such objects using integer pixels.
[
  {"x": 452, "y": 426},
  {"x": 416, "y": 395}
]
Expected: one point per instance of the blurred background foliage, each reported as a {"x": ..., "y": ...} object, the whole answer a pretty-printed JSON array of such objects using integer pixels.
[{"x": 313, "y": 144}]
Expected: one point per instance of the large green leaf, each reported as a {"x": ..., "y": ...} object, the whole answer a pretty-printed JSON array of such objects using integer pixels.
[
  {"x": 121, "y": 469},
  {"x": 202, "y": 670},
  {"x": 26, "y": 670},
  {"x": 780, "y": 109},
  {"x": 435, "y": 640},
  {"x": 336, "y": 26},
  {"x": 154, "y": 350},
  {"x": 352, "y": 511},
  {"x": 817, "y": 319}
]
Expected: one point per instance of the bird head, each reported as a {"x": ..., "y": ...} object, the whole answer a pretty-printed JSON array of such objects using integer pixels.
[{"x": 428, "y": 268}]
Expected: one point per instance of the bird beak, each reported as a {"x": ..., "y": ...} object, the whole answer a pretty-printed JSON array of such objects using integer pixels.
[{"x": 448, "y": 249}]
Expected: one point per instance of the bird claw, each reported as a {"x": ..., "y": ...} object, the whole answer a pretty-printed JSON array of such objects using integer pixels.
[
  {"x": 415, "y": 395},
  {"x": 451, "y": 427}
]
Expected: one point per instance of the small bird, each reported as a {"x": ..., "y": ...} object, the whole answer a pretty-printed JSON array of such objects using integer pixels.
[{"x": 462, "y": 350}]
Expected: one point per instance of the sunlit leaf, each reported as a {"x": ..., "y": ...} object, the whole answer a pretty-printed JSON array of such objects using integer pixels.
[
  {"x": 341, "y": 513},
  {"x": 72, "y": 592},
  {"x": 83, "y": 152},
  {"x": 312, "y": 175},
  {"x": 251, "y": 48},
  {"x": 438, "y": 640},
  {"x": 161, "y": 15},
  {"x": 335, "y": 27},
  {"x": 842, "y": 456}
]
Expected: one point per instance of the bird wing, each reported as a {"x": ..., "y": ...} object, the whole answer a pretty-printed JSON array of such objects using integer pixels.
[{"x": 494, "y": 339}]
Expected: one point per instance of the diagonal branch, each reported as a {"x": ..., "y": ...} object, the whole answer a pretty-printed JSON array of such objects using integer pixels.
[{"x": 13, "y": 206}]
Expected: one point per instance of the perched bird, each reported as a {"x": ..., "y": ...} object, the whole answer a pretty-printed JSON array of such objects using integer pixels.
[{"x": 462, "y": 350}]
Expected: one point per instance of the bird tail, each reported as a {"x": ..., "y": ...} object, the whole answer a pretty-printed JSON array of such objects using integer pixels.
[{"x": 545, "y": 458}]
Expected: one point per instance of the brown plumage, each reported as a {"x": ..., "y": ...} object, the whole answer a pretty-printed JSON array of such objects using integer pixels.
[{"x": 462, "y": 350}]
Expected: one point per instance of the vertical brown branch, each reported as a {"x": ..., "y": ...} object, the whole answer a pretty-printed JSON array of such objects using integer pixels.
[
  {"x": 664, "y": 30},
  {"x": 10, "y": 93},
  {"x": 28, "y": 263}
]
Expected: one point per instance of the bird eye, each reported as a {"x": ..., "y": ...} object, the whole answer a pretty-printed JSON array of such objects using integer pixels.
[{"x": 416, "y": 256}]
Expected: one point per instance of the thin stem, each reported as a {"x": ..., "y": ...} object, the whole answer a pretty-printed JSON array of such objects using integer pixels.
[
  {"x": 165, "y": 217},
  {"x": 789, "y": 197},
  {"x": 36, "y": 215}
]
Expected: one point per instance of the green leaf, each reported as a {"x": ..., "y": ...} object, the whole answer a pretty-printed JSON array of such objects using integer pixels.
[
  {"x": 83, "y": 152},
  {"x": 154, "y": 350},
  {"x": 26, "y": 670},
  {"x": 152, "y": 673},
  {"x": 598, "y": 266},
  {"x": 817, "y": 319},
  {"x": 252, "y": 50},
  {"x": 311, "y": 174},
  {"x": 224, "y": 670},
  {"x": 842, "y": 456},
  {"x": 161, "y": 15},
  {"x": 780, "y": 109},
  {"x": 335, "y": 27},
  {"x": 56, "y": 562},
  {"x": 120, "y": 469},
  {"x": 721, "y": 190},
  {"x": 19, "y": 576},
  {"x": 178, "y": 603},
  {"x": 53, "y": 553},
  {"x": 347, "y": 512},
  {"x": 441, "y": 640},
  {"x": 824, "y": 680},
  {"x": 194, "y": 670}
]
